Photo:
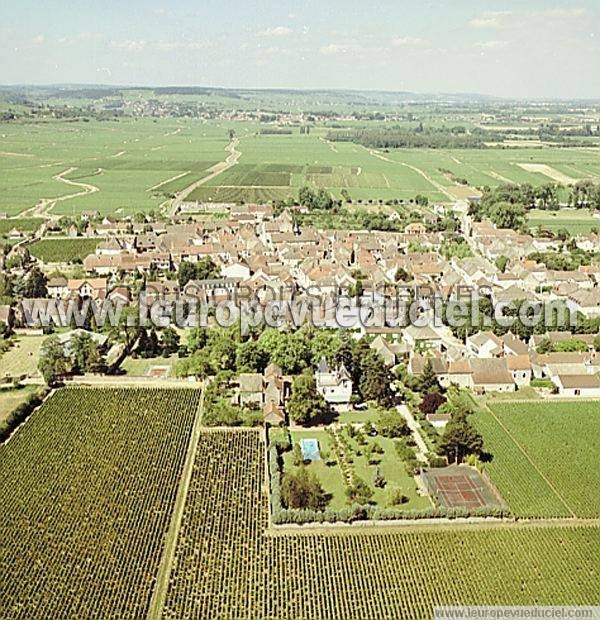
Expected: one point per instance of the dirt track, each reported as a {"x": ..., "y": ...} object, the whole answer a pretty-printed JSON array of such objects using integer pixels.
[
  {"x": 230, "y": 161},
  {"x": 45, "y": 205}
]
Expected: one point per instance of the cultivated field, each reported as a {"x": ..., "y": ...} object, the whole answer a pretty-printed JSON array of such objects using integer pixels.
[
  {"x": 22, "y": 224},
  {"x": 545, "y": 456},
  {"x": 87, "y": 487},
  {"x": 576, "y": 221},
  {"x": 84, "y": 535},
  {"x": 275, "y": 166},
  {"x": 62, "y": 250},
  {"x": 122, "y": 167},
  {"x": 228, "y": 565},
  {"x": 123, "y": 160}
]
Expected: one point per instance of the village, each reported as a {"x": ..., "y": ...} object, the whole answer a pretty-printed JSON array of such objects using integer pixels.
[
  {"x": 254, "y": 253},
  {"x": 299, "y": 310},
  {"x": 365, "y": 405}
]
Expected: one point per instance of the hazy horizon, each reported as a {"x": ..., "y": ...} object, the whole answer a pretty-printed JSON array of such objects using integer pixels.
[{"x": 507, "y": 49}]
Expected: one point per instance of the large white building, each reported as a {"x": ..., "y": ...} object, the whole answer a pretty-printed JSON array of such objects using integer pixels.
[{"x": 335, "y": 385}]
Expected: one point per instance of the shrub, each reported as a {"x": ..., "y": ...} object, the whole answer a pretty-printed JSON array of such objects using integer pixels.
[
  {"x": 396, "y": 497},
  {"x": 437, "y": 461},
  {"x": 359, "y": 492},
  {"x": 431, "y": 403},
  {"x": 391, "y": 424},
  {"x": 302, "y": 490}
]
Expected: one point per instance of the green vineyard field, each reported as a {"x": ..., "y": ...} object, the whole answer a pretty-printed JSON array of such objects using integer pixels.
[
  {"x": 545, "y": 456},
  {"x": 87, "y": 487},
  {"x": 87, "y": 495},
  {"x": 62, "y": 250},
  {"x": 228, "y": 565}
]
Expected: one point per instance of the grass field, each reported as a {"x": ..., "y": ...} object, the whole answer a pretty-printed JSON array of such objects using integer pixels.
[
  {"x": 141, "y": 367},
  {"x": 22, "y": 358},
  {"x": 332, "y": 480},
  {"x": 62, "y": 250},
  {"x": 10, "y": 399},
  {"x": 135, "y": 164},
  {"x": 545, "y": 456}
]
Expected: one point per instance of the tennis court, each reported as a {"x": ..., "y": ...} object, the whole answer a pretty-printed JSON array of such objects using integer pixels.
[{"x": 459, "y": 486}]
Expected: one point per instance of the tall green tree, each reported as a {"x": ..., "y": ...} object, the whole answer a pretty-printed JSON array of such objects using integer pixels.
[
  {"x": 84, "y": 353},
  {"x": 34, "y": 284},
  {"x": 185, "y": 273},
  {"x": 460, "y": 438},
  {"x": 305, "y": 404},
  {"x": 376, "y": 380},
  {"x": 302, "y": 489},
  {"x": 169, "y": 341},
  {"x": 508, "y": 215},
  {"x": 53, "y": 362}
]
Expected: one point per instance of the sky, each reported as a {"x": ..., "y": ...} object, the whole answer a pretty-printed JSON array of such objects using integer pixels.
[{"x": 516, "y": 48}]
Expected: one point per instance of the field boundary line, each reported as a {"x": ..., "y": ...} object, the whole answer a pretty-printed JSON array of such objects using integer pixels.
[
  {"x": 551, "y": 399},
  {"x": 177, "y": 176},
  {"x": 435, "y": 524},
  {"x": 159, "y": 595},
  {"x": 438, "y": 186},
  {"x": 532, "y": 463}
]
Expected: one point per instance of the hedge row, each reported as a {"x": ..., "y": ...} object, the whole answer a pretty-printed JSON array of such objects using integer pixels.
[{"x": 20, "y": 413}]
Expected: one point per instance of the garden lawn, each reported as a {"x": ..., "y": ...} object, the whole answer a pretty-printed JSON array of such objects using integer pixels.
[
  {"x": 140, "y": 367},
  {"x": 23, "y": 357},
  {"x": 391, "y": 467},
  {"x": 331, "y": 478},
  {"x": 11, "y": 399}
]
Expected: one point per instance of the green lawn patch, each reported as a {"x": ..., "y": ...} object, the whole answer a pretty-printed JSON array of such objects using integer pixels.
[{"x": 391, "y": 467}]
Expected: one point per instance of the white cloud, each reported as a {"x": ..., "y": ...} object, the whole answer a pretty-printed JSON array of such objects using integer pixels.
[
  {"x": 524, "y": 19},
  {"x": 334, "y": 49},
  {"x": 139, "y": 45},
  {"x": 167, "y": 46},
  {"x": 89, "y": 36},
  {"x": 409, "y": 42},
  {"x": 564, "y": 13},
  {"x": 495, "y": 19},
  {"x": 278, "y": 31},
  {"x": 130, "y": 45},
  {"x": 39, "y": 40},
  {"x": 490, "y": 45}
]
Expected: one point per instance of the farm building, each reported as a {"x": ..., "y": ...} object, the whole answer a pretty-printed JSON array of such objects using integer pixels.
[{"x": 577, "y": 385}]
